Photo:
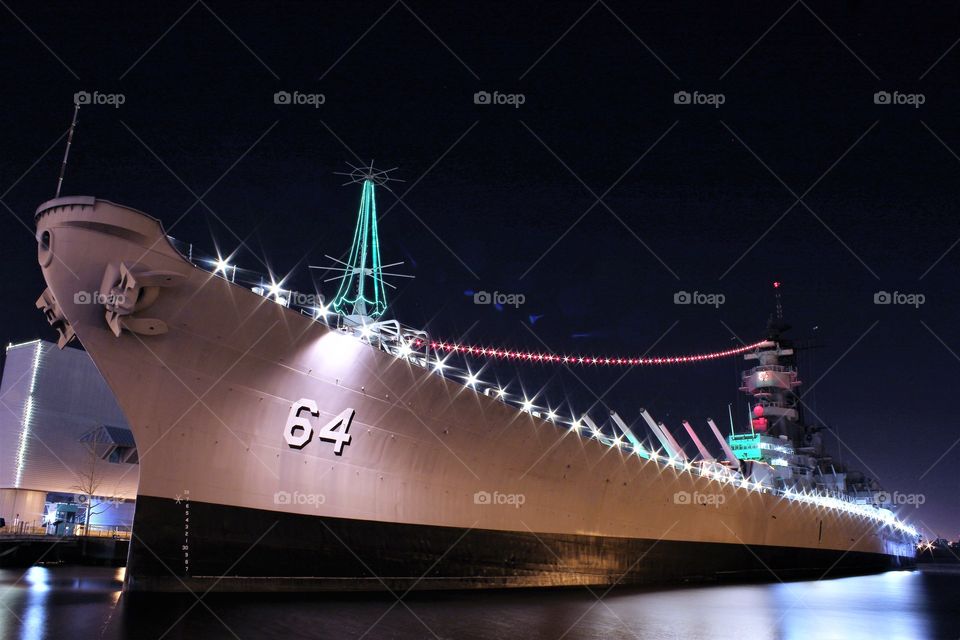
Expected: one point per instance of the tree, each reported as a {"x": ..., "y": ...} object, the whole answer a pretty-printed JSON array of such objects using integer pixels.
[{"x": 90, "y": 477}]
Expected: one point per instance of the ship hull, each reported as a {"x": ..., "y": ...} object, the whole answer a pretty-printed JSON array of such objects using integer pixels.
[{"x": 439, "y": 486}]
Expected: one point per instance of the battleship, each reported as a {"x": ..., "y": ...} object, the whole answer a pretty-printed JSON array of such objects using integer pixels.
[{"x": 325, "y": 447}]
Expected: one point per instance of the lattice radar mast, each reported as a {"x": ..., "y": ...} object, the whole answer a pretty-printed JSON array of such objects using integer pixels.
[{"x": 362, "y": 297}]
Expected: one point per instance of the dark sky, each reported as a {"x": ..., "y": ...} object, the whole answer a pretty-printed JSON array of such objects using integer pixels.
[{"x": 496, "y": 189}]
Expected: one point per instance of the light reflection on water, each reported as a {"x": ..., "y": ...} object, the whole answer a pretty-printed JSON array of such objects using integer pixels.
[
  {"x": 85, "y": 602},
  {"x": 890, "y": 605},
  {"x": 37, "y": 588}
]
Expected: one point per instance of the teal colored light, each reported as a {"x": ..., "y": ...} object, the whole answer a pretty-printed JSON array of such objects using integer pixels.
[
  {"x": 361, "y": 290},
  {"x": 745, "y": 446}
]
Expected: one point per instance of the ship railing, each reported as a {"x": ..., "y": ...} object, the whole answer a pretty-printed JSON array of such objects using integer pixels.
[
  {"x": 103, "y": 531},
  {"x": 23, "y": 529},
  {"x": 93, "y": 531}
]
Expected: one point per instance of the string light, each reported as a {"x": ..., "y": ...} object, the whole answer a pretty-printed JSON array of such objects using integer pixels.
[
  {"x": 222, "y": 266},
  {"x": 356, "y": 295},
  {"x": 529, "y": 356},
  {"x": 321, "y": 312}
]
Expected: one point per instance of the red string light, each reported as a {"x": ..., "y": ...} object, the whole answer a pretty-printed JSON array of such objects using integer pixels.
[{"x": 530, "y": 356}]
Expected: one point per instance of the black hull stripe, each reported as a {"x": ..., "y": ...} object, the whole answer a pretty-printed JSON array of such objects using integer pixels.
[{"x": 258, "y": 550}]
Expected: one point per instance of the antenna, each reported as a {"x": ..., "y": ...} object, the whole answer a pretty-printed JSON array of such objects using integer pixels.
[
  {"x": 66, "y": 153},
  {"x": 776, "y": 294},
  {"x": 361, "y": 174}
]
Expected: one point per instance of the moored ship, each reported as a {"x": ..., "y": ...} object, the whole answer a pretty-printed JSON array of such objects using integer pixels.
[{"x": 282, "y": 451}]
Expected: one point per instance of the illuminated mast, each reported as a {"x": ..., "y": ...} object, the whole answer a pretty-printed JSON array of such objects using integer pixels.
[
  {"x": 789, "y": 452},
  {"x": 361, "y": 290},
  {"x": 362, "y": 298},
  {"x": 773, "y": 382}
]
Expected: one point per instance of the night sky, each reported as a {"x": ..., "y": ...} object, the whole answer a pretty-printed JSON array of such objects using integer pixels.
[{"x": 504, "y": 198}]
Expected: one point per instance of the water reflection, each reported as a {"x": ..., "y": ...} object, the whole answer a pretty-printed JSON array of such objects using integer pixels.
[
  {"x": 85, "y": 602},
  {"x": 884, "y": 606},
  {"x": 54, "y": 602}
]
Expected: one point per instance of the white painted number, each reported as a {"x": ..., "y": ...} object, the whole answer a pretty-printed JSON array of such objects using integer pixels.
[
  {"x": 330, "y": 434},
  {"x": 302, "y": 423},
  {"x": 299, "y": 431}
]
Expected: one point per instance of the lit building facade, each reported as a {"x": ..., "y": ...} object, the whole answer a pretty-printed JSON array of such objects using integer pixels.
[{"x": 63, "y": 439}]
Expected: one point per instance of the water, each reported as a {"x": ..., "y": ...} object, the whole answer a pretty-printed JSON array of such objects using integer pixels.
[{"x": 85, "y": 603}]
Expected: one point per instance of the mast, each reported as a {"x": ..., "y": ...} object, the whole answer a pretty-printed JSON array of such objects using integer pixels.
[
  {"x": 787, "y": 451},
  {"x": 361, "y": 297},
  {"x": 362, "y": 292},
  {"x": 774, "y": 406},
  {"x": 66, "y": 152}
]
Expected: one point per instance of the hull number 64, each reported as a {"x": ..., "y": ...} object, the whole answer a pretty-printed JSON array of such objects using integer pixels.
[{"x": 299, "y": 430}]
